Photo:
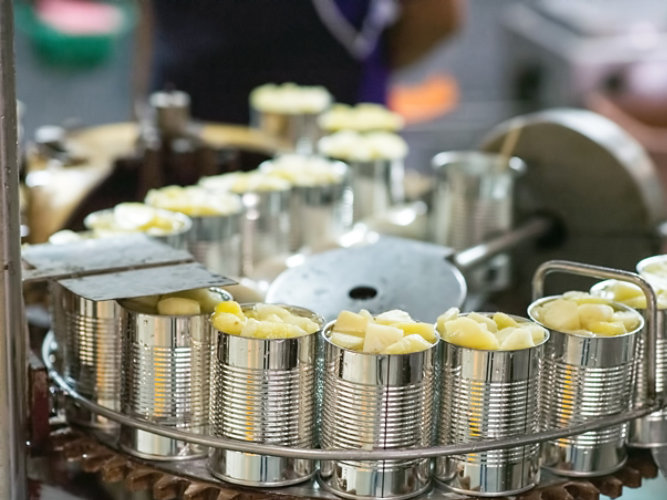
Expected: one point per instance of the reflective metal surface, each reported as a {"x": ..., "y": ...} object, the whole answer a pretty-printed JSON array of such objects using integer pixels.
[
  {"x": 298, "y": 132},
  {"x": 489, "y": 394},
  {"x": 376, "y": 186},
  {"x": 88, "y": 335},
  {"x": 585, "y": 378},
  {"x": 376, "y": 401},
  {"x": 215, "y": 241},
  {"x": 264, "y": 392}
]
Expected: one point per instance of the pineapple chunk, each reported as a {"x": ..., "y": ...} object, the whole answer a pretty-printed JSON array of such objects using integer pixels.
[
  {"x": 628, "y": 318},
  {"x": 378, "y": 337},
  {"x": 503, "y": 320},
  {"x": 448, "y": 315},
  {"x": 409, "y": 344},
  {"x": 520, "y": 338},
  {"x": 229, "y": 306},
  {"x": 562, "y": 315},
  {"x": 504, "y": 333},
  {"x": 347, "y": 341},
  {"x": 536, "y": 331},
  {"x": 623, "y": 291},
  {"x": 591, "y": 313},
  {"x": 393, "y": 316},
  {"x": 264, "y": 311},
  {"x": 480, "y": 318},
  {"x": 609, "y": 328},
  {"x": 228, "y": 322},
  {"x": 176, "y": 306},
  {"x": 426, "y": 330},
  {"x": 207, "y": 299},
  {"x": 466, "y": 332},
  {"x": 349, "y": 322}
]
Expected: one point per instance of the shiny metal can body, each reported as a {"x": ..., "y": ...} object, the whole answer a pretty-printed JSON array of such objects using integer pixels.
[
  {"x": 372, "y": 401},
  {"x": 89, "y": 345},
  {"x": 488, "y": 395},
  {"x": 473, "y": 200},
  {"x": 165, "y": 380},
  {"x": 263, "y": 391},
  {"x": 649, "y": 431},
  {"x": 215, "y": 241},
  {"x": 377, "y": 185},
  {"x": 586, "y": 378},
  {"x": 297, "y": 131}
]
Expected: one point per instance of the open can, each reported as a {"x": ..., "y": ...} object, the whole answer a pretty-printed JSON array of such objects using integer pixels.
[
  {"x": 264, "y": 392},
  {"x": 587, "y": 378},
  {"x": 89, "y": 347},
  {"x": 489, "y": 394},
  {"x": 372, "y": 401},
  {"x": 215, "y": 241},
  {"x": 377, "y": 185},
  {"x": 165, "y": 380}
]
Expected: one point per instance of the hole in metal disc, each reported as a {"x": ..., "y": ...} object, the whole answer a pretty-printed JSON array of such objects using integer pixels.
[{"x": 363, "y": 292}]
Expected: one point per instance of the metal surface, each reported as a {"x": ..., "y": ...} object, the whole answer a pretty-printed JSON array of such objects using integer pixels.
[
  {"x": 299, "y": 132},
  {"x": 650, "y": 431},
  {"x": 165, "y": 380},
  {"x": 392, "y": 273},
  {"x": 85, "y": 257},
  {"x": 335, "y": 454},
  {"x": 215, "y": 241},
  {"x": 264, "y": 392},
  {"x": 142, "y": 282},
  {"x": 490, "y": 394},
  {"x": 376, "y": 186},
  {"x": 376, "y": 401},
  {"x": 13, "y": 346},
  {"x": 88, "y": 335}
]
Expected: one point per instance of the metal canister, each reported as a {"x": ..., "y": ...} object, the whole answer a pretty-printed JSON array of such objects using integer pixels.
[
  {"x": 215, "y": 241},
  {"x": 486, "y": 395},
  {"x": 372, "y": 401},
  {"x": 377, "y": 185},
  {"x": 264, "y": 392},
  {"x": 586, "y": 378},
  {"x": 649, "y": 431},
  {"x": 473, "y": 200},
  {"x": 165, "y": 380},
  {"x": 297, "y": 131},
  {"x": 88, "y": 336}
]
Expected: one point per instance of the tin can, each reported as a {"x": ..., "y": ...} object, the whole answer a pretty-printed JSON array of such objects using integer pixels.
[
  {"x": 299, "y": 132},
  {"x": 377, "y": 185},
  {"x": 488, "y": 395},
  {"x": 376, "y": 401},
  {"x": 88, "y": 336},
  {"x": 264, "y": 392},
  {"x": 586, "y": 378},
  {"x": 165, "y": 380},
  {"x": 215, "y": 241},
  {"x": 473, "y": 200}
]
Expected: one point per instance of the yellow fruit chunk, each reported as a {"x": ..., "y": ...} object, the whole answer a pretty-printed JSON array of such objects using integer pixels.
[
  {"x": 264, "y": 311},
  {"x": 466, "y": 332},
  {"x": 623, "y": 291},
  {"x": 229, "y": 306},
  {"x": 349, "y": 322},
  {"x": 480, "y": 318},
  {"x": 228, "y": 322},
  {"x": 629, "y": 319},
  {"x": 501, "y": 335},
  {"x": 347, "y": 341},
  {"x": 270, "y": 330},
  {"x": 208, "y": 299},
  {"x": 561, "y": 315},
  {"x": 536, "y": 331},
  {"x": 393, "y": 316},
  {"x": 592, "y": 313},
  {"x": 520, "y": 338},
  {"x": 425, "y": 330},
  {"x": 379, "y": 337},
  {"x": 409, "y": 344},
  {"x": 607, "y": 328},
  {"x": 448, "y": 315},
  {"x": 175, "y": 306},
  {"x": 503, "y": 320}
]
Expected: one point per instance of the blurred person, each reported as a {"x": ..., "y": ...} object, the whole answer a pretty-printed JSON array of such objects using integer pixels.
[{"x": 219, "y": 50}]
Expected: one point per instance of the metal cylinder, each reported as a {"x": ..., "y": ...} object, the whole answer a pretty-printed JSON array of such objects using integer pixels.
[
  {"x": 377, "y": 185},
  {"x": 215, "y": 241},
  {"x": 473, "y": 200},
  {"x": 165, "y": 380},
  {"x": 264, "y": 392},
  {"x": 585, "y": 378},
  {"x": 88, "y": 335},
  {"x": 649, "y": 431},
  {"x": 486, "y": 395},
  {"x": 299, "y": 132},
  {"x": 376, "y": 401}
]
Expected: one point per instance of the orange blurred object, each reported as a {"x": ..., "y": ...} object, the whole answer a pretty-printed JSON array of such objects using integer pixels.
[{"x": 432, "y": 98}]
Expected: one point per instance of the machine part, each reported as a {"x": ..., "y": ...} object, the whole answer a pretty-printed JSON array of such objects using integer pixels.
[
  {"x": 13, "y": 347},
  {"x": 392, "y": 273}
]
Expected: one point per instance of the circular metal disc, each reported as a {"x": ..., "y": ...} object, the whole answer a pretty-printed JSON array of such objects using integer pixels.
[{"x": 392, "y": 273}]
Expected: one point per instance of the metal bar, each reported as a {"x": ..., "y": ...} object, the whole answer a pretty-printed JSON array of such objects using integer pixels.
[
  {"x": 13, "y": 360},
  {"x": 650, "y": 315},
  {"x": 478, "y": 254},
  {"x": 336, "y": 454}
]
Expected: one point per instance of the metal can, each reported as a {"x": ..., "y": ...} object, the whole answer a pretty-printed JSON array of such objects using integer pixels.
[
  {"x": 649, "y": 431},
  {"x": 165, "y": 379},
  {"x": 299, "y": 132},
  {"x": 215, "y": 241},
  {"x": 264, "y": 392},
  {"x": 486, "y": 395},
  {"x": 586, "y": 378},
  {"x": 376, "y": 401},
  {"x": 377, "y": 185},
  {"x": 88, "y": 336}
]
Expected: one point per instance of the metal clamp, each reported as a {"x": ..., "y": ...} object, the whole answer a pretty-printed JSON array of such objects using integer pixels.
[{"x": 599, "y": 272}]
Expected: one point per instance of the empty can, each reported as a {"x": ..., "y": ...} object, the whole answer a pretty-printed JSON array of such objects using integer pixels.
[
  {"x": 488, "y": 394},
  {"x": 585, "y": 378},
  {"x": 165, "y": 380},
  {"x": 88, "y": 336},
  {"x": 374, "y": 401},
  {"x": 264, "y": 392}
]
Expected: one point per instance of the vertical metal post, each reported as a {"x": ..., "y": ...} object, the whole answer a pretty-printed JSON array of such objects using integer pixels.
[{"x": 13, "y": 361}]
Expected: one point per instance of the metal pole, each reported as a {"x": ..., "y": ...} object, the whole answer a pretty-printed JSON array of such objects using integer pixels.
[{"x": 13, "y": 361}]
